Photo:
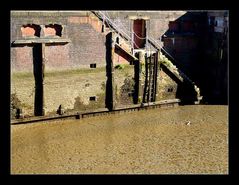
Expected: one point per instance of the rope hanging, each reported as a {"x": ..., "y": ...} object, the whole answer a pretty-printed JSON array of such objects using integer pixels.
[{"x": 107, "y": 19}]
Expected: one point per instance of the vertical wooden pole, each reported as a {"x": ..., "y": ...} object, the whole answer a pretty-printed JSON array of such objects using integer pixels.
[
  {"x": 43, "y": 73},
  {"x": 158, "y": 73},
  {"x": 112, "y": 69},
  {"x": 141, "y": 61},
  {"x": 132, "y": 35},
  {"x": 155, "y": 75},
  {"x": 145, "y": 94},
  {"x": 110, "y": 86},
  {"x": 38, "y": 63},
  {"x": 136, "y": 80}
]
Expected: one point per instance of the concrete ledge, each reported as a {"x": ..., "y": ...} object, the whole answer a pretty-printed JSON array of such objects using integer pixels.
[
  {"x": 42, "y": 13},
  {"x": 99, "y": 112},
  {"x": 41, "y": 40}
]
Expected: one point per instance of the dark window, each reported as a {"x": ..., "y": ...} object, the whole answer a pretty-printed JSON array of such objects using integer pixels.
[
  {"x": 93, "y": 65},
  {"x": 31, "y": 30},
  {"x": 53, "y": 30},
  {"x": 92, "y": 98}
]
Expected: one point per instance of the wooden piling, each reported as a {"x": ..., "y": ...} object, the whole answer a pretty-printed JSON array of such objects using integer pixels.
[
  {"x": 141, "y": 62},
  {"x": 39, "y": 68},
  {"x": 110, "y": 84}
]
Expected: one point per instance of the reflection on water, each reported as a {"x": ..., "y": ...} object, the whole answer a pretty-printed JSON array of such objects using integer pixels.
[{"x": 152, "y": 141}]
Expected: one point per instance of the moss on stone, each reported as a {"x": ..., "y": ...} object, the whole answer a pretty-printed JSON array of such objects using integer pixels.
[
  {"x": 17, "y": 75},
  {"x": 99, "y": 103}
]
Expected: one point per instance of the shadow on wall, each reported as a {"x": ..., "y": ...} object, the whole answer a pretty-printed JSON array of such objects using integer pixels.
[
  {"x": 201, "y": 53},
  {"x": 185, "y": 90}
]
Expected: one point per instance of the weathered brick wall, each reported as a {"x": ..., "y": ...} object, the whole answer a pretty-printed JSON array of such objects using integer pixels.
[
  {"x": 124, "y": 85},
  {"x": 87, "y": 42},
  {"x": 87, "y": 46},
  {"x": 23, "y": 89},
  {"x": 167, "y": 88},
  {"x": 57, "y": 57},
  {"x": 157, "y": 20},
  {"x": 73, "y": 90},
  {"x": 84, "y": 30},
  {"x": 22, "y": 59}
]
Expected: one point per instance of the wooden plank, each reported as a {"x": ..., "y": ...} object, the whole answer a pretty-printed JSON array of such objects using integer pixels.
[
  {"x": 129, "y": 55},
  {"x": 175, "y": 76}
]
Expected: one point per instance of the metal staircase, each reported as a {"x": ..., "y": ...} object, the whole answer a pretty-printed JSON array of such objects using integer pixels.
[{"x": 152, "y": 58}]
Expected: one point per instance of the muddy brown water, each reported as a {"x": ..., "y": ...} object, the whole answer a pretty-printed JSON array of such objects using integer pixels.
[{"x": 156, "y": 141}]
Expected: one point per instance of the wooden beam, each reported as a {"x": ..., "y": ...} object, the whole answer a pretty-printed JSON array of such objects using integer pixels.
[{"x": 119, "y": 50}]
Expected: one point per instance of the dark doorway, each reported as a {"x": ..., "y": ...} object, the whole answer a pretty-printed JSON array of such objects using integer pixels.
[
  {"x": 139, "y": 28},
  {"x": 38, "y": 75}
]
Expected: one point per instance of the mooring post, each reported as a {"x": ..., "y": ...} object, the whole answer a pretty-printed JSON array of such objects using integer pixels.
[
  {"x": 141, "y": 85},
  {"x": 43, "y": 73},
  {"x": 113, "y": 40},
  {"x": 138, "y": 78},
  {"x": 39, "y": 67},
  {"x": 110, "y": 85},
  {"x": 158, "y": 62}
]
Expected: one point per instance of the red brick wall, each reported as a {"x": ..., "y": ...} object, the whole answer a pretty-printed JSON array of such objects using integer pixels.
[
  {"x": 57, "y": 57},
  {"x": 21, "y": 59},
  {"x": 87, "y": 42}
]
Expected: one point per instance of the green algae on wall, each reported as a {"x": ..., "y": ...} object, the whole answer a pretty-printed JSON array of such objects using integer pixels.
[{"x": 124, "y": 84}]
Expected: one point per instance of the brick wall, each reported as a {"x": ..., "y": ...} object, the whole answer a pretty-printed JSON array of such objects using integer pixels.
[
  {"x": 87, "y": 46},
  {"x": 22, "y": 59},
  {"x": 84, "y": 30},
  {"x": 87, "y": 42}
]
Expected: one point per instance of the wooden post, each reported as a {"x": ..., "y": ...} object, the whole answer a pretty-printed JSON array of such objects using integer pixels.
[
  {"x": 113, "y": 40},
  {"x": 43, "y": 74},
  {"x": 136, "y": 81},
  {"x": 110, "y": 85},
  {"x": 141, "y": 61},
  {"x": 39, "y": 65},
  {"x": 158, "y": 73},
  {"x": 155, "y": 75}
]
